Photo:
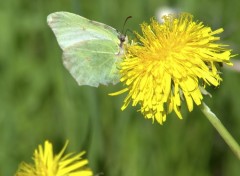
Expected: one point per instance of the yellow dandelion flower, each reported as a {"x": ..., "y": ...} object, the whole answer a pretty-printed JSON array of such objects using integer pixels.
[
  {"x": 48, "y": 164},
  {"x": 170, "y": 63}
]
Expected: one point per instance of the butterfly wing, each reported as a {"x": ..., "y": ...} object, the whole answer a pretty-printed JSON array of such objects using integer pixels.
[{"x": 90, "y": 49}]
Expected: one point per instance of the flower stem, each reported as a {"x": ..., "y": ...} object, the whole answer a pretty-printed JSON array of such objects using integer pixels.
[{"x": 221, "y": 130}]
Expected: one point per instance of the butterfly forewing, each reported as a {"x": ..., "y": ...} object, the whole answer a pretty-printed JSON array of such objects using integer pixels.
[{"x": 89, "y": 48}]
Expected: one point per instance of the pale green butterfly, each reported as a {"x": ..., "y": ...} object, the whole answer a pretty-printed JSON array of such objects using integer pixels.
[{"x": 91, "y": 50}]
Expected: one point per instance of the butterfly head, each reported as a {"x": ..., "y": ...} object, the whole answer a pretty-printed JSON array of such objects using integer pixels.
[{"x": 122, "y": 39}]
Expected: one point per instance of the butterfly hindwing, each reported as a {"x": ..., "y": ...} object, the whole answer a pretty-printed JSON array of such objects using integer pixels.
[{"x": 91, "y": 65}]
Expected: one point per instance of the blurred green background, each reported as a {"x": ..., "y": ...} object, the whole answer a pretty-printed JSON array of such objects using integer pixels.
[{"x": 39, "y": 99}]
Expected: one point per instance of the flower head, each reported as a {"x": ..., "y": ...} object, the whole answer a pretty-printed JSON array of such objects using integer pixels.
[
  {"x": 171, "y": 62},
  {"x": 48, "y": 164}
]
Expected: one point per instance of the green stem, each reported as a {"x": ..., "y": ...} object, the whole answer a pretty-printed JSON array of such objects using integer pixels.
[{"x": 221, "y": 129}]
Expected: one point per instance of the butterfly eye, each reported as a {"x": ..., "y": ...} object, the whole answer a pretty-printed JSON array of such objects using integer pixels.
[{"x": 122, "y": 37}]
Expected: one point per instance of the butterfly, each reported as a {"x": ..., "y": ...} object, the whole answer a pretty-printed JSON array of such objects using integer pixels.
[{"x": 91, "y": 50}]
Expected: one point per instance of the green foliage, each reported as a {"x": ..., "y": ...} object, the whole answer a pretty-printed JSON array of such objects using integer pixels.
[{"x": 40, "y": 100}]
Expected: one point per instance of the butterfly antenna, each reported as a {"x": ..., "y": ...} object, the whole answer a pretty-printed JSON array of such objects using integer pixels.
[
  {"x": 121, "y": 36},
  {"x": 125, "y": 22}
]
